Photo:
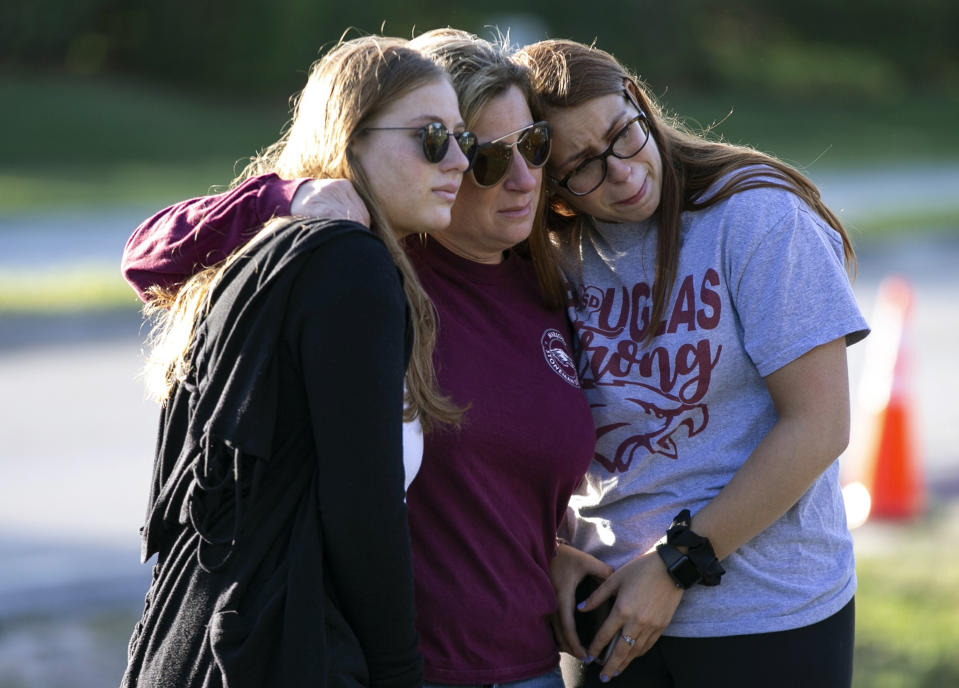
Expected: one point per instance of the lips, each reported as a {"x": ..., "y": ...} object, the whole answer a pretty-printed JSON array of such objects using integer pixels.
[
  {"x": 635, "y": 198},
  {"x": 447, "y": 191},
  {"x": 517, "y": 211}
]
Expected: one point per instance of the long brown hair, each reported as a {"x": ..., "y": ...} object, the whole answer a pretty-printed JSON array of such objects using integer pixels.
[
  {"x": 347, "y": 87},
  {"x": 565, "y": 74}
]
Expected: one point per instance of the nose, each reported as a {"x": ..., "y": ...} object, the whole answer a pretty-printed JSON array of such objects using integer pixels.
[
  {"x": 520, "y": 177},
  {"x": 617, "y": 170},
  {"x": 454, "y": 160}
]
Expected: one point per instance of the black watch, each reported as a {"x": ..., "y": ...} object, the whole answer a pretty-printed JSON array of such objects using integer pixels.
[{"x": 684, "y": 572}]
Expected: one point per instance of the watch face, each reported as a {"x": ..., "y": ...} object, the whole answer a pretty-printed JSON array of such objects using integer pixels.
[{"x": 684, "y": 572}]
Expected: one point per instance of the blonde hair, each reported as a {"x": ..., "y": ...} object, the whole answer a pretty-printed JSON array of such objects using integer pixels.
[
  {"x": 482, "y": 70},
  {"x": 348, "y": 86},
  {"x": 565, "y": 74}
]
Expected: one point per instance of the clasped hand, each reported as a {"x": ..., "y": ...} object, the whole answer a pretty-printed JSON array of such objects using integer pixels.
[{"x": 646, "y": 599}]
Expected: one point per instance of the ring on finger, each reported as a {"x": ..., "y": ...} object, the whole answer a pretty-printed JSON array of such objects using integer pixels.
[{"x": 628, "y": 639}]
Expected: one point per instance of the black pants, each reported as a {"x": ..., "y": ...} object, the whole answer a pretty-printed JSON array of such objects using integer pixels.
[{"x": 816, "y": 656}]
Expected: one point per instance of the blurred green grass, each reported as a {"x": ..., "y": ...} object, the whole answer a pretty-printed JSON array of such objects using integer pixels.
[
  {"x": 86, "y": 142},
  {"x": 816, "y": 134},
  {"x": 907, "y": 604},
  {"x": 77, "y": 288}
]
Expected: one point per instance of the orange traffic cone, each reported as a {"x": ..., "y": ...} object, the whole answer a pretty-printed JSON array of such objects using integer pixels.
[{"x": 892, "y": 471}]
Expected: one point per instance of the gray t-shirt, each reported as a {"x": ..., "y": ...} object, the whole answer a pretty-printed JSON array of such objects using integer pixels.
[{"x": 760, "y": 282}]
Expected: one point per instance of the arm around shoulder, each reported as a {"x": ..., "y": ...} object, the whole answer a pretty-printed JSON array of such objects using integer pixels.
[{"x": 180, "y": 240}]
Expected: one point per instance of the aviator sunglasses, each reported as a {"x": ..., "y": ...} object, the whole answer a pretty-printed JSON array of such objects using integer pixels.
[
  {"x": 436, "y": 140},
  {"x": 492, "y": 160}
]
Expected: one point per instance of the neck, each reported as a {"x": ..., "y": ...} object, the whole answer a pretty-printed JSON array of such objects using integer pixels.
[{"x": 469, "y": 253}]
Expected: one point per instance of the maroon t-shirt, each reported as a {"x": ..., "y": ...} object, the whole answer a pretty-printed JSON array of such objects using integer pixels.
[{"x": 487, "y": 501}]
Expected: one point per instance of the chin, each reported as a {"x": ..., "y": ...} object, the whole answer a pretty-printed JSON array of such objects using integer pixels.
[
  {"x": 435, "y": 222},
  {"x": 520, "y": 237}
]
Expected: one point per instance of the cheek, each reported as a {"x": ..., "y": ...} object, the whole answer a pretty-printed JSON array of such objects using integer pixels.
[
  {"x": 394, "y": 206},
  {"x": 591, "y": 204},
  {"x": 470, "y": 200},
  {"x": 379, "y": 177},
  {"x": 655, "y": 159},
  {"x": 538, "y": 176}
]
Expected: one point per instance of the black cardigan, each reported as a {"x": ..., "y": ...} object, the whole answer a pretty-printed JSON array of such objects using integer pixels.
[{"x": 277, "y": 509}]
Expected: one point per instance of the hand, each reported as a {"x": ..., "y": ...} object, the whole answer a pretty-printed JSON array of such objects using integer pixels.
[
  {"x": 566, "y": 570},
  {"x": 646, "y": 599},
  {"x": 333, "y": 199}
]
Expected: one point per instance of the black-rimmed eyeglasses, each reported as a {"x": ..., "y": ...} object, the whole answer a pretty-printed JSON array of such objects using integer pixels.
[
  {"x": 591, "y": 173},
  {"x": 436, "y": 140}
]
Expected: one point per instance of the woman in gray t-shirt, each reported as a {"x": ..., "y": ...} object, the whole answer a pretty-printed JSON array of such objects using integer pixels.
[{"x": 712, "y": 310}]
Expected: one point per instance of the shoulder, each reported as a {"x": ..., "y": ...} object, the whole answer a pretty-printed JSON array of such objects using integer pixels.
[
  {"x": 348, "y": 283},
  {"x": 763, "y": 205},
  {"x": 307, "y": 233},
  {"x": 346, "y": 254},
  {"x": 761, "y": 226},
  {"x": 760, "y": 189},
  {"x": 289, "y": 240}
]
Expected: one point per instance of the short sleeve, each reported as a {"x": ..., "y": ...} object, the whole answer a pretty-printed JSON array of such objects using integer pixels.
[{"x": 789, "y": 285}]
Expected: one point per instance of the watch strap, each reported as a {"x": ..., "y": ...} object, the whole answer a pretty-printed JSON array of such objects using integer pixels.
[
  {"x": 698, "y": 548},
  {"x": 681, "y": 568}
]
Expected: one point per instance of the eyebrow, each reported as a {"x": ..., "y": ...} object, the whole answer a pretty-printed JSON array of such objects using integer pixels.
[
  {"x": 427, "y": 119},
  {"x": 614, "y": 128}
]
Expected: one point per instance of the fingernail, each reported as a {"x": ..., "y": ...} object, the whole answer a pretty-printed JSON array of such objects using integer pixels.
[
  {"x": 604, "y": 678},
  {"x": 616, "y": 674},
  {"x": 589, "y": 659},
  {"x": 581, "y": 605}
]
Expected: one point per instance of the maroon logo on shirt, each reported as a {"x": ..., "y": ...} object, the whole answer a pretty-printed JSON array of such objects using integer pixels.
[
  {"x": 656, "y": 422},
  {"x": 663, "y": 383},
  {"x": 557, "y": 356}
]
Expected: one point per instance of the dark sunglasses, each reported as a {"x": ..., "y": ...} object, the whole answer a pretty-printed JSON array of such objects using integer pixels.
[
  {"x": 436, "y": 140},
  {"x": 492, "y": 160}
]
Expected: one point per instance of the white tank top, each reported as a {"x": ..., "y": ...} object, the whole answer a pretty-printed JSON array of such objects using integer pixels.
[{"x": 412, "y": 449}]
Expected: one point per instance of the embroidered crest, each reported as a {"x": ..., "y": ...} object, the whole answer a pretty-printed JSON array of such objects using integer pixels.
[{"x": 558, "y": 357}]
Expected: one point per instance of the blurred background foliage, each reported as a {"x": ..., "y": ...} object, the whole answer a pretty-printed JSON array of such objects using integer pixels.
[
  {"x": 128, "y": 101},
  {"x": 881, "y": 49}
]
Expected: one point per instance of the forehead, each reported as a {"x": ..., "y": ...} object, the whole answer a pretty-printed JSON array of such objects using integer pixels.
[
  {"x": 435, "y": 100},
  {"x": 585, "y": 127},
  {"x": 502, "y": 114}
]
